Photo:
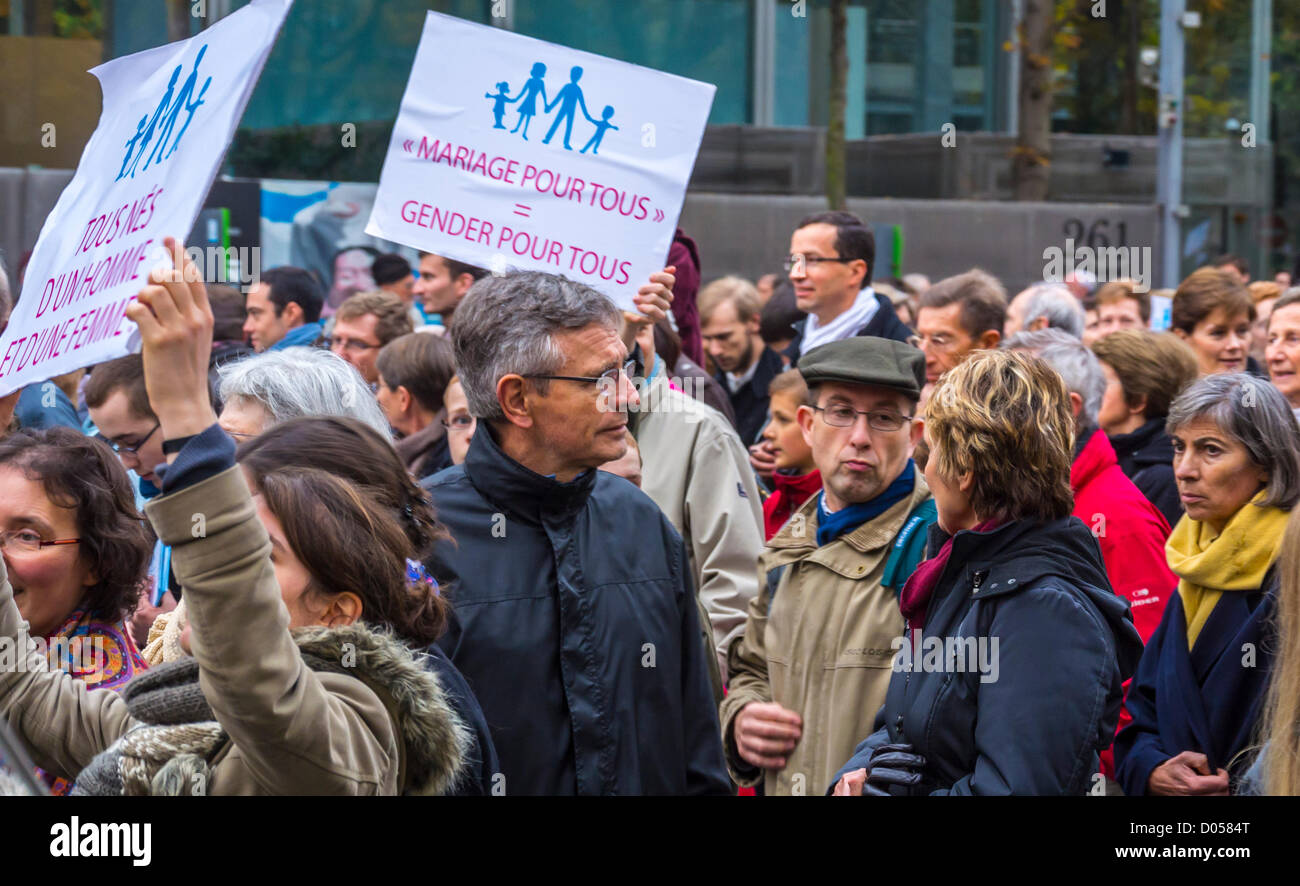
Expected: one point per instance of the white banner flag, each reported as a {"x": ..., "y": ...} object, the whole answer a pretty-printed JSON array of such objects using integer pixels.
[
  {"x": 168, "y": 116},
  {"x": 510, "y": 152}
]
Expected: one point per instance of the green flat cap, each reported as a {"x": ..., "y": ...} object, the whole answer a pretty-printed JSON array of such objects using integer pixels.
[{"x": 866, "y": 360}]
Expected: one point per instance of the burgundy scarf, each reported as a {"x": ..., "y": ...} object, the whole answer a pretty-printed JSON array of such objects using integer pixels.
[{"x": 915, "y": 598}]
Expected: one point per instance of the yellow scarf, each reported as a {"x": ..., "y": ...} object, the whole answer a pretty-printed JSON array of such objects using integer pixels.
[{"x": 1235, "y": 560}]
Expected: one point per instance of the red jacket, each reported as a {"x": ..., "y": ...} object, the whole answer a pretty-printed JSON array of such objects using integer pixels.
[
  {"x": 1132, "y": 533},
  {"x": 791, "y": 492}
]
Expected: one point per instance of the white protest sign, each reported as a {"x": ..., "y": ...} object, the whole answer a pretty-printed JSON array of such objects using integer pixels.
[
  {"x": 510, "y": 152},
  {"x": 168, "y": 115}
]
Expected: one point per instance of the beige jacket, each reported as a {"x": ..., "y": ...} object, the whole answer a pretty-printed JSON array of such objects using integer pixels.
[
  {"x": 697, "y": 471},
  {"x": 826, "y": 648},
  {"x": 293, "y": 730}
]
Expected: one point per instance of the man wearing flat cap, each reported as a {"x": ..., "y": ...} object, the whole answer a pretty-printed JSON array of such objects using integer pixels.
[{"x": 811, "y": 670}]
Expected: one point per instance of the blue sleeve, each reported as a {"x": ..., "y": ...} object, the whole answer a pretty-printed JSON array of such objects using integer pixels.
[
  {"x": 40, "y": 406},
  {"x": 1138, "y": 750},
  {"x": 204, "y": 456}
]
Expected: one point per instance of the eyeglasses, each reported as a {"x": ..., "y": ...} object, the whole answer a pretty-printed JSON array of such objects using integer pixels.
[
  {"x": 608, "y": 377},
  {"x": 791, "y": 261},
  {"x": 131, "y": 450},
  {"x": 351, "y": 345},
  {"x": 28, "y": 541},
  {"x": 459, "y": 423},
  {"x": 844, "y": 417}
]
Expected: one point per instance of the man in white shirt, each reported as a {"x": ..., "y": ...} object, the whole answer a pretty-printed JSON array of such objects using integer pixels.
[{"x": 830, "y": 263}]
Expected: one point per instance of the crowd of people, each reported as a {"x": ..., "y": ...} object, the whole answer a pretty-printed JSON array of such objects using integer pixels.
[{"x": 818, "y": 533}]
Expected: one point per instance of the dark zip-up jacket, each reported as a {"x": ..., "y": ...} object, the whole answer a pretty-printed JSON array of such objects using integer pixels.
[
  {"x": 575, "y": 625},
  {"x": 750, "y": 403},
  {"x": 1035, "y": 720}
]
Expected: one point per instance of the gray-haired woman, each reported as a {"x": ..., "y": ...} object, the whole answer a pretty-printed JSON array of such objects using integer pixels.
[{"x": 1198, "y": 691}]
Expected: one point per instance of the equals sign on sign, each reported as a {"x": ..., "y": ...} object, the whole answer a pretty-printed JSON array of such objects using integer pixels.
[{"x": 521, "y": 209}]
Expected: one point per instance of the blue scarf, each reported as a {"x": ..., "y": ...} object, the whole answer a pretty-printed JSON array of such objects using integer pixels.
[{"x": 831, "y": 526}]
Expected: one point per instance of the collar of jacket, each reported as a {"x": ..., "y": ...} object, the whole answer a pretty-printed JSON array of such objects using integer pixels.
[
  {"x": 769, "y": 367},
  {"x": 843, "y": 556},
  {"x": 1148, "y": 445},
  {"x": 1096, "y": 456},
  {"x": 1015, "y": 555},
  {"x": 515, "y": 489},
  {"x": 412, "y": 446}
]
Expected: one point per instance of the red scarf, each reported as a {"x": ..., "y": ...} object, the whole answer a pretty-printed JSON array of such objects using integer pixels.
[
  {"x": 791, "y": 492},
  {"x": 920, "y": 586}
]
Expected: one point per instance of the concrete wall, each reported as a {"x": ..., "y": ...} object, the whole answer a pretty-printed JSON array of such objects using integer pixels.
[{"x": 750, "y": 235}]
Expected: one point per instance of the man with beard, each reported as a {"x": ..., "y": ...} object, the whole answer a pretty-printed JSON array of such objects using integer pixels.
[{"x": 729, "y": 320}]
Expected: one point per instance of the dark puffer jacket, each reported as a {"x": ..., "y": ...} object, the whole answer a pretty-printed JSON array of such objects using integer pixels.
[
  {"x": 575, "y": 625},
  {"x": 1033, "y": 602}
]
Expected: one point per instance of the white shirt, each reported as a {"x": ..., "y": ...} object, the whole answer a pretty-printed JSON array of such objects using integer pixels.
[
  {"x": 843, "y": 326},
  {"x": 736, "y": 382}
]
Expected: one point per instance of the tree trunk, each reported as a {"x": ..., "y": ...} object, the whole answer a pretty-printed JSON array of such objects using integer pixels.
[
  {"x": 1033, "y": 143},
  {"x": 1132, "y": 63},
  {"x": 835, "y": 125},
  {"x": 178, "y": 20}
]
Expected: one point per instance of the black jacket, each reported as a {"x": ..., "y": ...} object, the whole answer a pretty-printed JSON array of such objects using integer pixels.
[
  {"x": 575, "y": 624},
  {"x": 1147, "y": 458},
  {"x": 481, "y": 762},
  {"x": 749, "y": 404},
  {"x": 883, "y": 324},
  {"x": 1035, "y": 721},
  {"x": 1206, "y": 699}
]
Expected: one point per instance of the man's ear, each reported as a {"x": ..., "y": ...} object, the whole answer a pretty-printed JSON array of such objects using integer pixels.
[
  {"x": 917, "y": 433},
  {"x": 805, "y": 415},
  {"x": 989, "y": 339},
  {"x": 1037, "y": 324},
  {"x": 966, "y": 482},
  {"x": 403, "y": 399},
  {"x": 463, "y": 283},
  {"x": 514, "y": 395},
  {"x": 1076, "y": 404},
  {"x": 1182, "y": 333},
  {"x": 292, "y": 314},
  {"x": 866, "y": 269}
]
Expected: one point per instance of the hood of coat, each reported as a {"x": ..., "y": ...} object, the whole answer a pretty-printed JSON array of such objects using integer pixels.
[
  {"x": 1148, "y": 445},
  {"x": 435, "y": 740},
  {"x": 1024, "y": 553}
]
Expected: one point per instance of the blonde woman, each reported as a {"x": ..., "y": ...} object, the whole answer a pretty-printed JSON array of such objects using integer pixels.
[{"x": 1009, "y": 676}]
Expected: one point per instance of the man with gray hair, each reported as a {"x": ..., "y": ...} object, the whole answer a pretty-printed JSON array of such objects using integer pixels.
[
  {"x": 575, "y": 618},
  {"x": 1131, "y": 531},
  {"x": 262, "y": 391},
  {"x": 1045, "y": 306}
]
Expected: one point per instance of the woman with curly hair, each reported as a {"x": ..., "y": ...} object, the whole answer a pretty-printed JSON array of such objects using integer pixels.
[
  {"x": 76, "y": 551},
  {"x": 1010, "y": 673}
]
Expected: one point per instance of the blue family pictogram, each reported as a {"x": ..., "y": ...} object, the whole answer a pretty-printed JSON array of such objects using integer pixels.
[
  {"x": 569, "y": 100},
  {"x": 152, "y": 133}
]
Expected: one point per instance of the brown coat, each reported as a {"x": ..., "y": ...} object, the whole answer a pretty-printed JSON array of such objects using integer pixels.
[
  {"x": 826, "y": 648},
  {"x": 293, "y": 730}
]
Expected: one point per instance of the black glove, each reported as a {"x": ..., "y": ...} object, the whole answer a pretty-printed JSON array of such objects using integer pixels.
[{"x": 892, "y": 764}]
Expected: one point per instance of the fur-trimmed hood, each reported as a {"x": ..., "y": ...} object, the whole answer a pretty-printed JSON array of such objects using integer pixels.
[
  {"x": 177, "y": 745},
  {"x": 435, "y": 737}
]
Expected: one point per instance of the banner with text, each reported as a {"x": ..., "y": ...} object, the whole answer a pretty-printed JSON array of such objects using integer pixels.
[
  {"x": 591, "y": 188},
  {"x": 168, "y": 116}
]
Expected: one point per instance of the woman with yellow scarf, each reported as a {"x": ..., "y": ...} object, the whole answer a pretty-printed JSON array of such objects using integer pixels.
[{"x": 1199, "y": 688}]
